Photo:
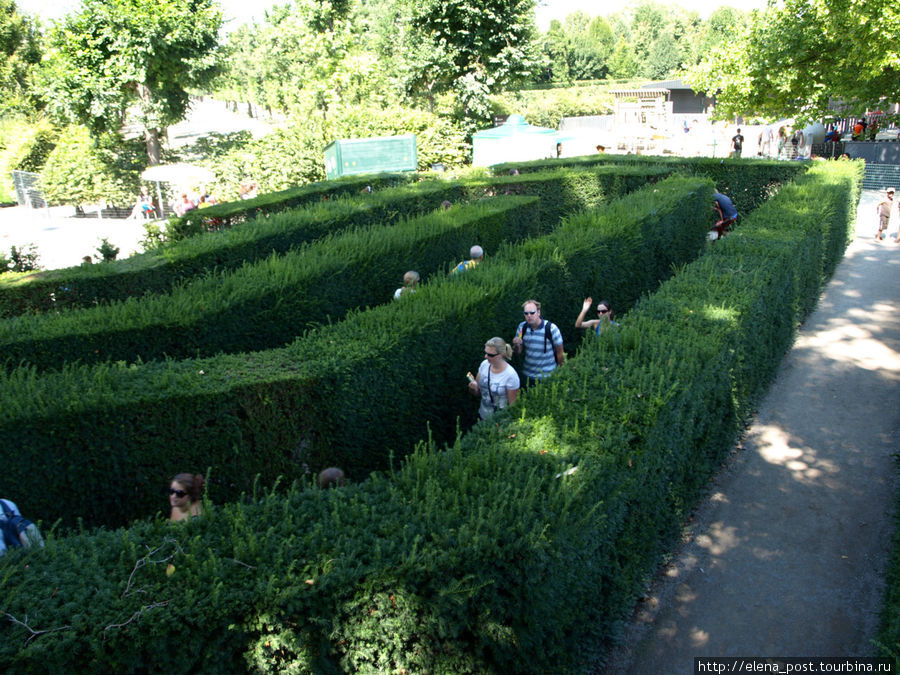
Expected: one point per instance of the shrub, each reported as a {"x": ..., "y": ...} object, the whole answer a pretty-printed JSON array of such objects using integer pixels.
[
  {"x": 749, "y": 182},
  {"x": 503, "y": 553},
  {"x": 547, "y": 107},
  {"x": 23, "y": 259},
  {"x": 286, "y": 157},
  {"x": 29, "y": 149},
  {"x": 269, "y": 303},
  {"x": 81, "y": 170},
  {"x": 106, "y": 252},
  {"x": 257, "y": 237},
  {"x": 508, "y": 552}
]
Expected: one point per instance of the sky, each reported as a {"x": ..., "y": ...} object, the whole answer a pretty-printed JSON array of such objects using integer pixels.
[{"x": 242, "y": 11}]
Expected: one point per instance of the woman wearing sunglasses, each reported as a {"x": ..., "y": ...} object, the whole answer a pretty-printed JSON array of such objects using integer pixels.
[
  {"x": 184, "y": 496},
  {"x": 604, "y": 316},
  {"x": 497, "y": 381}
]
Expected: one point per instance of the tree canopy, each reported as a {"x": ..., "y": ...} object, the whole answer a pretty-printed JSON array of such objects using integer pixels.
[
  {"x": 807, "y": 58},
  {"x": 20, "y": 52},
  {"x": 113, "y": 54}
]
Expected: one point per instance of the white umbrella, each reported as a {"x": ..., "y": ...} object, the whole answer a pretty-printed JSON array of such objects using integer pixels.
[{"x": 180, "y": 174}]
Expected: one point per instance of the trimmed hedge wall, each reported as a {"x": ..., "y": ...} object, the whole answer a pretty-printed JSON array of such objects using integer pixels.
[
  {"x": 268, "y": 304},
  {"x": 229, "y": 214},
  {"x": 351, "y": 394},
  {"x": 749, "y": 182},
  {"x": 161, "y": 269},
  {"x": 561, "y": 193},
  {"x": 520, "y": 549}
]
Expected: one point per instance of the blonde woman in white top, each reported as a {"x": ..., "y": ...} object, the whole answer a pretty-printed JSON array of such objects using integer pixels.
[{"x": 497, "y": 382}]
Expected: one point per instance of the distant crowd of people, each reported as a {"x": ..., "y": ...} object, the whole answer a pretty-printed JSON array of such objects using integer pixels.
[{"x": 146, "y": 209}]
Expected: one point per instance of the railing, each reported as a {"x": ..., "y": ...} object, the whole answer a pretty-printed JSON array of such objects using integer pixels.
[{"x": 28, "y": 189}]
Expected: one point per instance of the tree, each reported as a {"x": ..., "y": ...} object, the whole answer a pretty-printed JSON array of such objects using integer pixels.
[
  {"x": 556, "y": 51},
  {"x": 664, "y": 58},
  {"x": 20, "y": 52},
  {"x": 309, "y": 57},
  {"x": 648, "y": 23},
  {"x": 113, "y": 54},
  {"x": 803, "y": 58},
  {"x": 622, "y": 64},
  {"x": 80, "y": 170},
  {"x": 470, "y": 47}
]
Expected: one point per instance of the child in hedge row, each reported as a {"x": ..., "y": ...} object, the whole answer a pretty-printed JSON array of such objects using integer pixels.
[{"x": 17, "y": 532}]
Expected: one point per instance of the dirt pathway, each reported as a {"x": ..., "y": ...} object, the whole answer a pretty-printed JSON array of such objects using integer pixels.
[{"x": 787, "y": 555}]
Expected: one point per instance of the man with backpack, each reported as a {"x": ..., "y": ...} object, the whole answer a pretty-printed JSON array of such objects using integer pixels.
[
  {"x": 16, "y": 531},
  {"x": 541, "y": 342}
]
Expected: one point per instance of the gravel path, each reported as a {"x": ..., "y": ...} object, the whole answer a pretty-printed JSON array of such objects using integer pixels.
[{"x": 787, "y": 555}]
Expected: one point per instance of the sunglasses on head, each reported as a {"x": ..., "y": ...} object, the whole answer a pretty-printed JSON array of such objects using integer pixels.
[{"x": 177, "y": 493}]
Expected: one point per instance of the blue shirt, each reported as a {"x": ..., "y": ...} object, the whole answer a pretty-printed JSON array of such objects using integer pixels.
[{"x": 727, "y": 206}]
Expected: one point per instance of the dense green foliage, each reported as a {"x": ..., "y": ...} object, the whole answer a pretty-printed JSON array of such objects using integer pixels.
[
  {"x": 111, "y": 55},
  {"x": 264, "y": 229},
  {"x": 85, "y": 170},
  {"x": 271, "y": 230},
  {"x": 269, "y": 303},
  {"x": 802, "y": 57},
  {"x": 547, "y": 107},
  {"x": 311, "y": 402},
  {"x": 226, "y": 215},
  {"x": 27, "y": 146},
  {"x": 749, "y": 182},
  {"x": 20, "y": 52},
  {"x": 504, "y": 553}
]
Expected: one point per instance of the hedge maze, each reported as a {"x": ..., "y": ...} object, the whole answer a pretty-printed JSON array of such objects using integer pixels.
[{"x": 516, "y": 545}]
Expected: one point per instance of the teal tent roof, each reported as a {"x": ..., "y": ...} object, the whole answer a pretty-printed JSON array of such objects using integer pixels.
[{"x": 515, "y": 125}]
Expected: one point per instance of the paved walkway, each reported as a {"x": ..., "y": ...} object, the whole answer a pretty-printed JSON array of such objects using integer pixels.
[
  {"x": 62, "y": 240},
  {"x": 787, "y": 555}
]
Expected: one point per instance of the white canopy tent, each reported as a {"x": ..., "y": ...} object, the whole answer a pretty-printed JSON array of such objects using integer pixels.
[{"x": 180, "y": 174}]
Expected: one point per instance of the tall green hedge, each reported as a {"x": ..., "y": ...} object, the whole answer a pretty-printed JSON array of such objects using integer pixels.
[
  {"x": 228, "y": 214},
  {"x": 353, "y": 393},
  {"x": 521, "y": 548},
  {"x": 271, "y": 302},
  {"x": 156, "y": 271},
  {"x": 749, "y": 182},
  {"x": 160, "y": 270}
]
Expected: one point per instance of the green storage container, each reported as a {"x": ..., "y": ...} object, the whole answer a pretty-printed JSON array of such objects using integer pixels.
[{"x": 370, "y": 155}]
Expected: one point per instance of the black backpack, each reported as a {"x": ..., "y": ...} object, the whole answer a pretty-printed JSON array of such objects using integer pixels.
[{"x": 548, "y": 335}]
